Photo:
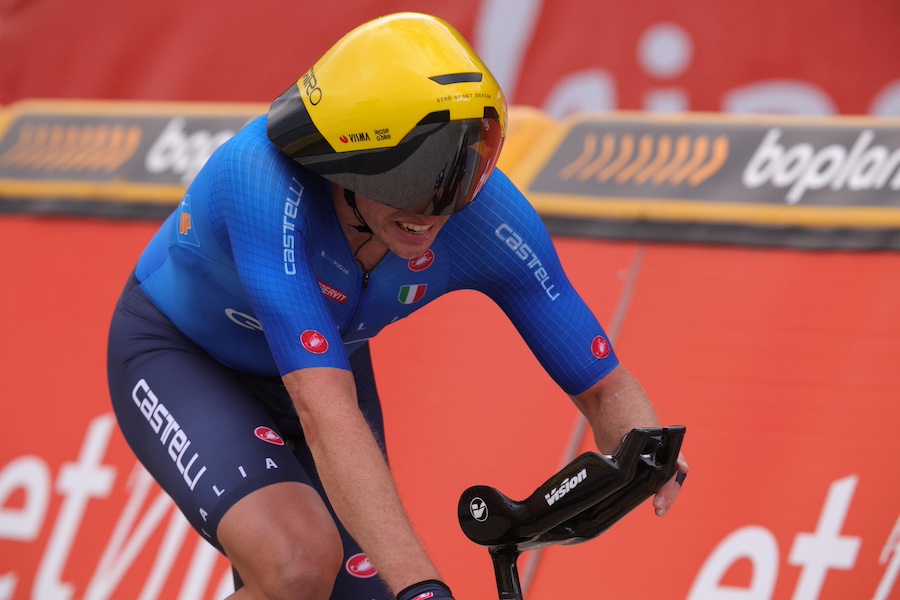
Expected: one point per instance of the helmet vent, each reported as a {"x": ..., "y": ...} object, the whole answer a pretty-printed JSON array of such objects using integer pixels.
[
  {"x": 457, "y": 78},
  {"x": 438, "y": 116}
]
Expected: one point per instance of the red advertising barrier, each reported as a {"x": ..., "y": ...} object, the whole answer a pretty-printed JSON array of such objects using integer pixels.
[
  {"x": 742, "y": 56},
  {"x": 780, "y": 363}
]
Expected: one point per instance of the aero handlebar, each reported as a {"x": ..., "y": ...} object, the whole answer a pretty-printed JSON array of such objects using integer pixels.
[{"x": 584, "y": 499}]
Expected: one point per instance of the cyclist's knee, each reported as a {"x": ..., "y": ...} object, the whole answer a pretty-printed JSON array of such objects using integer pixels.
[
  {"x": 292, "y": 568},
  {"x": 283, "y": 542},
  {"x": 309, "y": 573}
]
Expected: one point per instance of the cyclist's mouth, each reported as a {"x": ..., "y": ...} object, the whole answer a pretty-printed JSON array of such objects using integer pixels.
[{"x": 415, "y": 228}]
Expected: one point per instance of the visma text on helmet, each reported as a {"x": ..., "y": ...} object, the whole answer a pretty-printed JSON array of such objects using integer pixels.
[
  {"x": 803, "y": 168},
  {"x": 565, "y": 487}
]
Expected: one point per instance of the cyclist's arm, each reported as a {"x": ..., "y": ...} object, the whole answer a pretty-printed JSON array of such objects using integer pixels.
[
  {"x": 614, "y": 406},
  {"x": 515, "y": 263},
  {"x": 355, "y": 475}
]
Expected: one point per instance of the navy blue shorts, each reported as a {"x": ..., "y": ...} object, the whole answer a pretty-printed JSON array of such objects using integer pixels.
[{"x": 210, "y": 435}]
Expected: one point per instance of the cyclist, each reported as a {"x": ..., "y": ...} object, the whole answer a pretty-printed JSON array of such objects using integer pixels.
[{"x": 239, "y": 366}]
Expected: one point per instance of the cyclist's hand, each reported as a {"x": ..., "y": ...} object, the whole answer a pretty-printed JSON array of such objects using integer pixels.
[
  {"x": 667, "y": 494},
  {"x": 426, "y": 590}
]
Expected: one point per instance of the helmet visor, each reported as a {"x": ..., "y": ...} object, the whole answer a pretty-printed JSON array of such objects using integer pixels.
[{"x": 439, "y": 165}]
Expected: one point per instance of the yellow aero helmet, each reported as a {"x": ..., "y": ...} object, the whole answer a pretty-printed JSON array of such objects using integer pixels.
[{"x": 401, "y": 110}]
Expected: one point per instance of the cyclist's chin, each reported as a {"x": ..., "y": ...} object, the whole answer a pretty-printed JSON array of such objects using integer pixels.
[{"x": 411, "y": 250}]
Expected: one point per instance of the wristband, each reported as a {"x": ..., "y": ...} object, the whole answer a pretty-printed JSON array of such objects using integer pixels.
[{"x": 432, "y": 589}]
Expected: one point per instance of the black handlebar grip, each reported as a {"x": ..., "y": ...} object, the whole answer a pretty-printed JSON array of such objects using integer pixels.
[{"x": 590, "y": 493}]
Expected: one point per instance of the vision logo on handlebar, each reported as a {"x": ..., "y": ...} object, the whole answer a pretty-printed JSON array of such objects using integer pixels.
[
  {"x": 564, "y": 487},
  {"x": 583, "y": 500},
  {"x": 478, "y": 509}
]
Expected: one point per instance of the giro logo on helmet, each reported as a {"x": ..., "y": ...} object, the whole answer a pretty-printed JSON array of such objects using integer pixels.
[
  {"x": 314, "y": 341},
  {"x": 311, "y": 87}
]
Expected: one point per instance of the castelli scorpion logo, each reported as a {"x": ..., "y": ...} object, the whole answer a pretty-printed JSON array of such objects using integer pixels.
[
  {"x": 422, "y": 262},
  {"x": 360, "y": 566},
  {"x": 314, "y": 341}
]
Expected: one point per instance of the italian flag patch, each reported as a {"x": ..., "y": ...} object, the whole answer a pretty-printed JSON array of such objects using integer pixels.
[{"x": 411, "y": 293}]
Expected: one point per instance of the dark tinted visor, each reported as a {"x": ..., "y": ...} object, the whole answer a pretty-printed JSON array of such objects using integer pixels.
[{"x": 440, "y": 165}]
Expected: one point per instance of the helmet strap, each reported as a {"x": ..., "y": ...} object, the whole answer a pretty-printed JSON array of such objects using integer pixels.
[{"x": 363, "y": 227}]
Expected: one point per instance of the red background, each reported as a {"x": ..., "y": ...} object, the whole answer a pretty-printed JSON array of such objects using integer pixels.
[
  {"x": 780, "y": 363},
  {"x": 228, "y": 51}
]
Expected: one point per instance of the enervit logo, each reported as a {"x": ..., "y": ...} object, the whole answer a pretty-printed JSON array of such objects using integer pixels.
[
  {"x": 332, "y": 293},
  {"x": 71, "y": 147},
  {"x": 802, "y": 168},
  {"x": 266, "y": 434},
  {"x": 478, "y": 509},
  {"x": 422, "y": 262},
  {"x": 314, "y": 341},
  {"x": 360, "y": 566},
  {"x": 651, "y": 159},
  {"x": 565, "y": 487}
]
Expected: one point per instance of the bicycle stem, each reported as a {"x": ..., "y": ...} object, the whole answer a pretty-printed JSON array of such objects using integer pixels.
[{"x": 506, "y": 572}]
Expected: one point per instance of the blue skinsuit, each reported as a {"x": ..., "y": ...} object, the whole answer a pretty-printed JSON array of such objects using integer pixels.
[
  {"x": 259, "y": 238},
  {"x": 254, "y": 273}
]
